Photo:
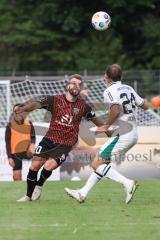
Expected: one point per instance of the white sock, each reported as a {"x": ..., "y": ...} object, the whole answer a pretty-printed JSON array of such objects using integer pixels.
[
  {"x": 92, "y": 180},
  {"x": 116, "y": 176}
]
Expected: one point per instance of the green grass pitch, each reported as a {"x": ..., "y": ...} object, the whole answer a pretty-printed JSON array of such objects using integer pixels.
[{"x": 104, "y": 215}]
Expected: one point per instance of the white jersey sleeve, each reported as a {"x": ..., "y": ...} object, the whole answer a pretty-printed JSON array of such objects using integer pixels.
[
  {"x": 138, "y": 100},
  {"x": 111, "y": 98}
]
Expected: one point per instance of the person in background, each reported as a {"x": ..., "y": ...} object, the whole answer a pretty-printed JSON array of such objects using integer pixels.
[{"x": 20, "y": 142}]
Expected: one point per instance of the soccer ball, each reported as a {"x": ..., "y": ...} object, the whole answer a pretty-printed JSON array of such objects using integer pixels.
[{"x": 101, "y": 21}]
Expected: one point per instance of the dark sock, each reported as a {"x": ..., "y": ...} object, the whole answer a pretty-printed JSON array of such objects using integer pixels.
[
  {"x": 45, "y": 174},
  {"x": 31, "y": 182}
]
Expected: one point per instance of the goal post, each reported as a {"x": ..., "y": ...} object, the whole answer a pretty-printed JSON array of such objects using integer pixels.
[{"x": 5, "y": 101}]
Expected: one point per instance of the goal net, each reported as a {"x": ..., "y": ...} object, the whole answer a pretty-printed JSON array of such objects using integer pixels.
[{"x": 20, "y": 92}]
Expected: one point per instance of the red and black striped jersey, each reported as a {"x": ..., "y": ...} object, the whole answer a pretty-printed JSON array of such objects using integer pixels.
[{"x": 66, "y": 118}]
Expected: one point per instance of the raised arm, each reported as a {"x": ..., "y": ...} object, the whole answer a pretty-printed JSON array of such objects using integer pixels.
[
  {"x": 28, "y": 107},
  {"x": 43, "y": 102}
]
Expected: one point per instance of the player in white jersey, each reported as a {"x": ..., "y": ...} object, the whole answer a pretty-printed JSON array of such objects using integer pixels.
[
  {"x": 125, "y": 134},
  {"x": 122, "y": 101}
]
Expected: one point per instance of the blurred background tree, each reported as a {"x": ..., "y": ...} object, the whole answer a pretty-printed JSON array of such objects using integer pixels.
[{"x": 56, "y": 35}]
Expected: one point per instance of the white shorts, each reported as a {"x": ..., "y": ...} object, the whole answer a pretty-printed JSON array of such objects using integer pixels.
[{"x": 116, "y": 147}]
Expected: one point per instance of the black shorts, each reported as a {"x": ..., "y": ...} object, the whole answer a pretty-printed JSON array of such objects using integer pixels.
[
  {"x": 48, "y": 149},
  {"x": 18, "y": 157}
]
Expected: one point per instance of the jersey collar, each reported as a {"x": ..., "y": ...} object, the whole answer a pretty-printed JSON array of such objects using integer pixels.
[{"x": 118, "y": 82}]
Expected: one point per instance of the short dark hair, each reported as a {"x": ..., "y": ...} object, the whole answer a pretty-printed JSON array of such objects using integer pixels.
[
  {"x": 114, "y": 72},
  {"x": 75, "y": 76}
]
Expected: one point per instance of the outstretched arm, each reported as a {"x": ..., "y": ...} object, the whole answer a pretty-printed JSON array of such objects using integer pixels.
[
  {"x": 114, "y": 114},
  {"x": 44, "y": 102},
  {"x": 97, "y": 121},
  {"x": 28, "y": 107}
]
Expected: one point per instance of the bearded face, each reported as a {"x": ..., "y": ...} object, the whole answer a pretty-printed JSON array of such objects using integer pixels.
[{"x": 74, "y": 87}]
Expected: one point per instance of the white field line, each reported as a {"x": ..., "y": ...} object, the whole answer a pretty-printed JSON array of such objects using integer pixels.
[
  {"x": 54, "y": 225},
  {"x": 61, "y": 225}
]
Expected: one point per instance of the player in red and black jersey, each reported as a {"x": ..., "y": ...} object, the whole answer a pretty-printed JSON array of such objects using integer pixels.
[{"x": 67, "y": 112}]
